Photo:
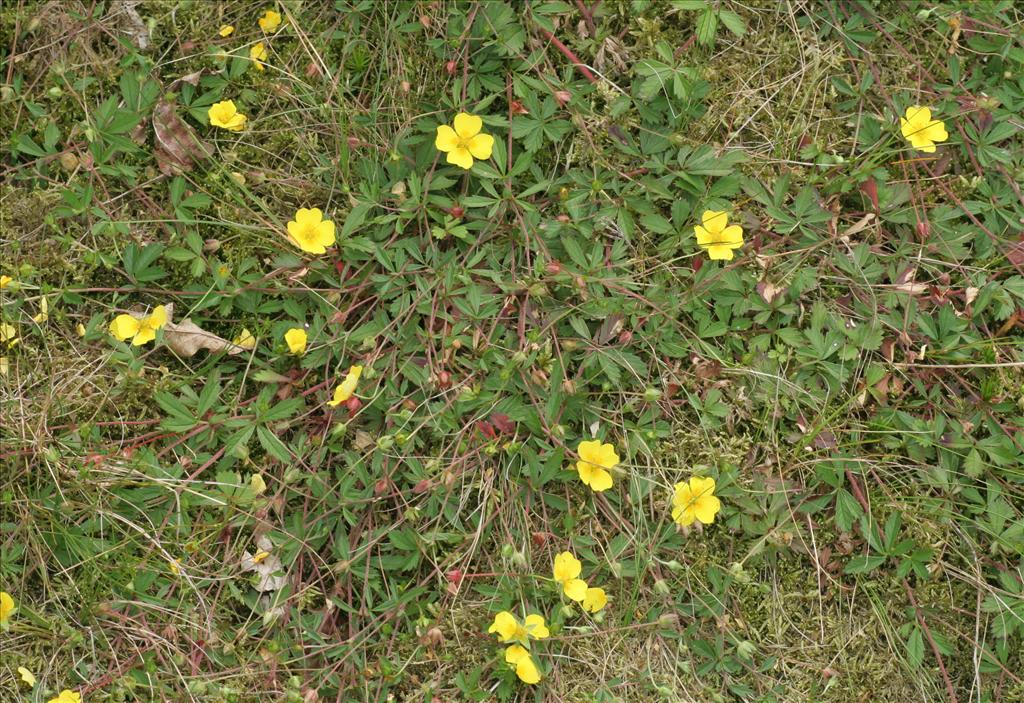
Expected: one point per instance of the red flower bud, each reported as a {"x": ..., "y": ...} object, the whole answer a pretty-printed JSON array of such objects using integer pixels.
[
  {"x": 553, "y": 267},
  {"x": 457, "y": 211},
  {"x": 450, "y": 67}
]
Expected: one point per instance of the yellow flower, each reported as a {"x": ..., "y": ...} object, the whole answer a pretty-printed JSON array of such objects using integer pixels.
[
  {"x": 344, "y": 390},
  {"x": 465, "y": 142},
  {"x": 27, "y": 676},
  {"x": 174, "y": 565},
  {"x": 6, "y": 607},
  {"x": 8, "y": 335},
  {"x": 921, "y": 130},
  {"x": 296, "y": 340},
  {"x": 526, "y": 668},
  {"x": 258, "y": 53},
  {"x": 245, "y": 340},
  {"x": 594, "y": 600},
  {"x": 695, "y": 501},
  {"x": 4, "y": 280},
  {"x": 225, "y": 30},
  {"x": 596, "y": 461},
  {"x": 141, "y": 330},
  {"x": 310, "y": 232},
  {"x": 717, "y": 235},
  {"x": 270, "y": 21},
  {"x": 66, "y": 696},
  {"x": 80, "y": 329},
  {"x": 567, "y": 570},
  {"x": 226, "y": 116},
  {"x": 509, "y": 629}
]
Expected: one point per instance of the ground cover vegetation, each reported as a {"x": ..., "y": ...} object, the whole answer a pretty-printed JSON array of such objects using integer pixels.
[{"x": 619, "y": 350}]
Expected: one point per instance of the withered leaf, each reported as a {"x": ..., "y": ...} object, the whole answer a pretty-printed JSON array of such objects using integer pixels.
[
  {"x": 176, "y": 143},
  {"x": 186, "y": 338}
]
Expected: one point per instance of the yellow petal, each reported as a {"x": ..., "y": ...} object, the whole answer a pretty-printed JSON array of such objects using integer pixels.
[
  {"x": 461, "y": 157},
  {"x": 4, "y": 280},
  {"x": 446, "y": 139},
  {"x": 145, "y": 335},
  {"x": 467, "y": 126},
  {"x": 157, "y": 318},
  {"x": 310, "y": 215},
  {"x": 705, "y": 509},
  {"x": 527, "y": 670},
  {"x": 6, "y": 606},
  {"x": 720, "y": 253},
  {"x": 124, "y": 326},
  {"x": 481, "y": 146},
  {"x": 599, "y": 480},
  {"x": 325, "y": 234},
  {"x": 566, "y": 567},
  {"x": 575, "y": 589},
  {"x": 516, "y": 652},
  {"x": 594, "y": 600},
  {"x": 683, "y": 515},
  {"x": 225, "y": 30},
  {"x": 27, "y": 676},
  {"x": 714, "y": 221},
  {"x": 536, "y": 627}
]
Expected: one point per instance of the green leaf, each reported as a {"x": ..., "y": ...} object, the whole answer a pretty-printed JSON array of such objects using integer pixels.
[
  {"x": 706, "y": 27},
  {"x": 863, "y": 564}
]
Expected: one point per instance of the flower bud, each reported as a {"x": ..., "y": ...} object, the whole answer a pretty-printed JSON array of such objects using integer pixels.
[
  {"x": 457, "y": 211},
  {"x": 652, "y": 395},
  {"x": 661, "y": 587}
]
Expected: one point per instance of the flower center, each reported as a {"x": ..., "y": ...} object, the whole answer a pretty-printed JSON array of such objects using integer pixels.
[{"x": 308, "y": 233}]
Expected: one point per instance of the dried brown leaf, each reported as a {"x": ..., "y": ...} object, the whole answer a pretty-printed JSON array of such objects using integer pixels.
[
  {"x": 186, "y": 338},
  {"x": 177, "y": 145}
]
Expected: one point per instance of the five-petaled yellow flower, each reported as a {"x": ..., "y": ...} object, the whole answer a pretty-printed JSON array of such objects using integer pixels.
[
  {"x": 717, "y": 236},
  {"x": 595, "y": 464},
  {"x": 295, "y": 338},
  {"x": 270, "y": 21},
  {"x": 921, "y": 130},
  {"x": 695, "y": 501},
  {"x": 27, "y": 676},
  {"x": 345, "y": 390},
  {"x": 465, "y": 142},
  {"x": 566, "y": 571},
  {"x": 141, "y": 330},
  {"x": 6, "y": 607},
  {"x": 66, "y": 696},
  {"x": 226, "y": 116},
  {"x": 509, "y": 629},
  {"x": 526, "y": 668},
  {"x": 258, "y": 54},
  {"x": 226, "y": 30},
  {"x": 310, "y": 232}
]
